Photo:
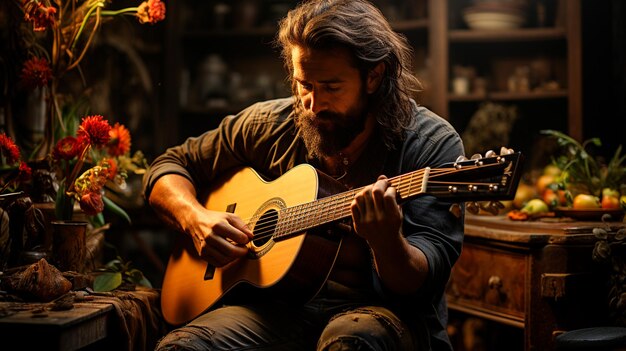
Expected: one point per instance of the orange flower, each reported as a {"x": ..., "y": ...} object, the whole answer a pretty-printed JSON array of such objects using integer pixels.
[
  {"x": 66, "y": 148},
  {"x": 41, "y": 16},
  {"x": 111, "y": 166},
  {"x": 35, "y": 73},
  {"x": 91, "y": 203},
  {"x": 8, "y": 149},
  {"x": 151, "y": 11},
  {"x": 119, "y": 144},
  {"x": 95, "y": 129}
]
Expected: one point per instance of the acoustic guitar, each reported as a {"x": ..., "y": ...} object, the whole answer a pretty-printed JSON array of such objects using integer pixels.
[{"x": 297, "y": 220}]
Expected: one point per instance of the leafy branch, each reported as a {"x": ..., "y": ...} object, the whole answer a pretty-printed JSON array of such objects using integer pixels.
[{"x": 582, "y": 170}]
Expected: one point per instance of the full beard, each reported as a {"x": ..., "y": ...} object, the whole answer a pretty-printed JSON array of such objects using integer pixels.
[{"x": 326, "y": 133}]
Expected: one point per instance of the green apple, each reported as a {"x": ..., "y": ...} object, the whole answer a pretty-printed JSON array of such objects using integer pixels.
[
  {"x": 610, "y": 192},
  {"x": 535, "y": 206}
]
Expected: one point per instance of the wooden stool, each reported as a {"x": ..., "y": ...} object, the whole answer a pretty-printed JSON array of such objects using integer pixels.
[{"x": 598, "y": 338}]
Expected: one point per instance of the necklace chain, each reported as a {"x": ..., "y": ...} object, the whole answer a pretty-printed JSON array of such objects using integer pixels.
[{"x": 345, "y": 161}]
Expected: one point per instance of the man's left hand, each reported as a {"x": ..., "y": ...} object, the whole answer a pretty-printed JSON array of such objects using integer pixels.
[{"x": 375, "y": 211}]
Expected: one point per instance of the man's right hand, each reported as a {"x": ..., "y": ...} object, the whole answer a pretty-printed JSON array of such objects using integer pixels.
[{"x": 219, "y": 237}]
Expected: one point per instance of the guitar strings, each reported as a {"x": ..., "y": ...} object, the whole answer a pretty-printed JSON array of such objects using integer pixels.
[
  {"x": 295, "y": 220},
  {"x": 294, "y": 217}
]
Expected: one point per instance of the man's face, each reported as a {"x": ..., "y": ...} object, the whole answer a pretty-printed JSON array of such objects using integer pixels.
[{"x": 331, "y": 97}]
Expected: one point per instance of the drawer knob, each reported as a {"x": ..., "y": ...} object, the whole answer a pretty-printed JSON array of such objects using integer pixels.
[{"x": 495, "y": 282}]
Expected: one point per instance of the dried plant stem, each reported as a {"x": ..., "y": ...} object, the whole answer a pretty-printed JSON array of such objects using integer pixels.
[
  {"x": 91, "y": 36},
  {"x": 79, "y": 164}
]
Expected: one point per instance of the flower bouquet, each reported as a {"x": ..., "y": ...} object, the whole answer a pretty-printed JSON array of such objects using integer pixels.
[
  {"x": 56, "y": 36},
  {"x": 99, "y": 153}
]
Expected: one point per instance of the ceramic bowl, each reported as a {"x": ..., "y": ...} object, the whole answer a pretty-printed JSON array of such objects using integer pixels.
[{"x": 491, "y": 20}]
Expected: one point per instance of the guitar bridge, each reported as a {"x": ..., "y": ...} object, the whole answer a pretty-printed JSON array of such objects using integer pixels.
[{"x": 210, "y": 272}]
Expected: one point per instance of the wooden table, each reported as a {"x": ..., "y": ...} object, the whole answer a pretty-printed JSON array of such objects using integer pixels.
[
  {"x": 117, "y": 320},
  {"x": 34, "y": 327},
  {"x": 536, "y": 275}
]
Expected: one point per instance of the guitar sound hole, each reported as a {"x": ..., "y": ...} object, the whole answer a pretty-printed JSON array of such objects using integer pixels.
[{"x": 265, "y": 227}]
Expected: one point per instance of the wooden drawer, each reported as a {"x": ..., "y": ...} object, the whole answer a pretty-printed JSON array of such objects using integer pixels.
[{"x": 490, "y": 282}]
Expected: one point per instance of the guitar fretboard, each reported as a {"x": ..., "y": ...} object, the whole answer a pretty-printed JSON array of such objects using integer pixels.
[{"x": 337, "y": 207}]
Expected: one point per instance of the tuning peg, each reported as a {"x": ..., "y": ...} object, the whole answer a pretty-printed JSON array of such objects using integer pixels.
[
  {"x": 506, "y": 151},
  {"x": 498, "y": 204},
  {"x": 492, "y": 207},
  {"x": 457, "y": 163},
  {"x": 490, "y": 153},
  {"x": 472, "y": 207},
  {"x": 476, "y": 157}
]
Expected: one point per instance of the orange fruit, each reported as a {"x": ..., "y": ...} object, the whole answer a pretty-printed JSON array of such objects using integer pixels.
[
  {"x": 543, "y": 182},
  {"x": 610, "y": 202},
  {"x": 585, "y": 201}
]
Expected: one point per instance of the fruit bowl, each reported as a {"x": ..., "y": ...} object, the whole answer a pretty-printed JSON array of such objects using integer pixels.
[{"x": 589, "y": 214}]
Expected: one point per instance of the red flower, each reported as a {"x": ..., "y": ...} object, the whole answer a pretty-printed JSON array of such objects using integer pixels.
[
  {"x": 41, "y": 16},
  {"x": 95, "y": 129},
  {"x": 67, "y": 148},
  {"x": 8, "y": 149},
  {"x": 91, "y": 203},
  {"x": 25, "y": 172},
  {"x": 120, "y": 140},
  {"x": 151, "y": 11},
  {"x": 35, "y": 73}
]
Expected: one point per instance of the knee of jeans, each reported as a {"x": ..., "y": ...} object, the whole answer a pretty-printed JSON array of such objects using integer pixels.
[
  {"x": 364, "y": 330},
  {"x": 351, "y": 343},
  {"x": 188, "y": 338}
]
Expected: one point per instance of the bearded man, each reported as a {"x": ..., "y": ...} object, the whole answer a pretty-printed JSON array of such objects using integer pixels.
[{"x": 353, "y": 117}]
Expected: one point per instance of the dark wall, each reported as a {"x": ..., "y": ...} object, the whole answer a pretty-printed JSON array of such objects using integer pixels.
[{"x": 604, "y": 72}]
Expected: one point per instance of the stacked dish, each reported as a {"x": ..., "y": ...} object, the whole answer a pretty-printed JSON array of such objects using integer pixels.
[{"x": 493, "y": 14}]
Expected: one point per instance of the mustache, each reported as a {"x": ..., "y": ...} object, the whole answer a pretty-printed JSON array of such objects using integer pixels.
[{"x": 322, "y": 115}]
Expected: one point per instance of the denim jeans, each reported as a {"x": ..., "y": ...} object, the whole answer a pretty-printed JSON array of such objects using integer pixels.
[{"x": 337, "y": 319}]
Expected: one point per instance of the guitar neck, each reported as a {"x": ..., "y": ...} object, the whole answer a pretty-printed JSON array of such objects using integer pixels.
[
  {"x": 335, "y": 208},
  {"x": 472, "y": 180}
]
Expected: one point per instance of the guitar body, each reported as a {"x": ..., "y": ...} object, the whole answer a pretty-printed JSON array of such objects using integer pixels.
[{"x": 293, "y": 268}]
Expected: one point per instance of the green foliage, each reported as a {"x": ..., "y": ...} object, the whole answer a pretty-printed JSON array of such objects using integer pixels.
[
  {"x": 114, "y": 208},
  {"x": 117, "y": 272},
  {"x": 582, "y": 170}
]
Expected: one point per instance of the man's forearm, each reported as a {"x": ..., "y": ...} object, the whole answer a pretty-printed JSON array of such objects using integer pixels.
[
  {"x": 402, "y": 267},
  {"x": 173, "y": 198}
]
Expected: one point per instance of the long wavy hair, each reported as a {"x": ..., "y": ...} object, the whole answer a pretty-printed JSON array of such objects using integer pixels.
[{"x": 361, "y": 28}]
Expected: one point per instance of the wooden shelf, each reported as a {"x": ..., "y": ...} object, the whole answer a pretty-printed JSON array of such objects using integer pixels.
[
  {"x": 508, "y": 35},
  {"x": 509, "y": 96}
]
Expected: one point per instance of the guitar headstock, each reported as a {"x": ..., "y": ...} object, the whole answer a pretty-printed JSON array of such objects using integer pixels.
[{"x": 479, "y": 178}]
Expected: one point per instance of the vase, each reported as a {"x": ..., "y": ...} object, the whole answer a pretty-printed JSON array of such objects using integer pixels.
[
  {"x": 30, "y": 112},
  {"x": 69, "y": 245}
]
